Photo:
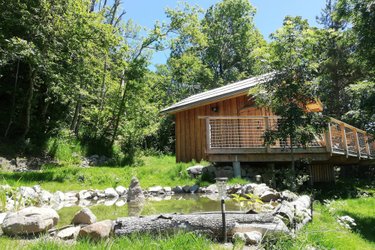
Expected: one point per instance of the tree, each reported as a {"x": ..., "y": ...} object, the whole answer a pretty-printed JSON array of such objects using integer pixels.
[{"x": 292, "y": 87}]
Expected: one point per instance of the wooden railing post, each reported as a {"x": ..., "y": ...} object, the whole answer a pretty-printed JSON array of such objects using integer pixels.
[
  {"x": 357, "y": 146},
  {"x": 329, "y": 139},
  {"x": 344, "y": 141}
]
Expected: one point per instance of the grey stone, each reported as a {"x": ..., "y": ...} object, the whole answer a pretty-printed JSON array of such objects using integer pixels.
[
  {"x": 69, "y": 233},
  {"x": 58, "y": 197},
  {"x": 120, "y": 203},
  {"x": 135, "y": 193},
  {"x": 211, "y": 189},
  {"x": 177, "y": 190},
  {"x": 260, "y": 189},
  {"x": 269, "y": 195},
  {"x": 121, "y": 190},
  {"x": 84, "y": 216},
  {"x": 85, "y": 194},
  {"x": 2, "y": 217},
  {"x": 253, "y": 238},
  {"x": 167, "y": 189},
  {"x": 28, "y": 193},
  {"x": 45, "y": 196},
  {"x": 186, "y": 188},
  {"x": 270, "y": 228},
  {"x": 194, "y": 171},
  {"x": 97, "y": 231},
  {"x": 37, "y": 188},
  {"x": 155, "y": 189},
  {"x": 111, "y": 193},
  {"x": 239, "y": 237},
  {"x": 288, "y": 195},
  {"x": 29, "y": 220},
  {"x": 193, "y": 188}
]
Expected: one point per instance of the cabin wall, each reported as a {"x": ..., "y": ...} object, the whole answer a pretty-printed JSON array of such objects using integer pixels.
[{"x": 191, "y": 131}]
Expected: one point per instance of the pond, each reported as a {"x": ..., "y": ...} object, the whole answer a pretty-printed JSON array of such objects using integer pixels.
[{"x": 185, "y": 204}]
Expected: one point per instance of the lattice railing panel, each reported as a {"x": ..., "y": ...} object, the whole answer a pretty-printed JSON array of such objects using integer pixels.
[
  {"x": 336, "y": 138},
  {"x": 362, "y": 143},
  {"x": 351, "y": 141}
]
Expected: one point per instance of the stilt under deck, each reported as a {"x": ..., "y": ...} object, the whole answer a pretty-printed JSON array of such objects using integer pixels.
[{"x": 240, "y": 139}]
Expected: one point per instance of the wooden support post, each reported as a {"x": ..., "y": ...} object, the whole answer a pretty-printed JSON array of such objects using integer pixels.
[
  {"x": 208, "y": 134},
  {"x": 344, "y": 141},
  {"x": 236, "y": 169},
  {"x": 329, "y": 139},
  {"x": 357, "y": 146}
]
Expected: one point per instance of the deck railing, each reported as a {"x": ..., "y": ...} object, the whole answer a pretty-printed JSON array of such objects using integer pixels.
[{"x": 246, "y": 132}]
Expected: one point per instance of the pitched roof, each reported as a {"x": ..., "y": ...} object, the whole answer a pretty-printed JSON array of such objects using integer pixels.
[{"x": 218, "y": 93}]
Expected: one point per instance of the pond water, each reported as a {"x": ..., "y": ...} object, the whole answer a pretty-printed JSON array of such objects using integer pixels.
[{"x": 187, "y": 203}]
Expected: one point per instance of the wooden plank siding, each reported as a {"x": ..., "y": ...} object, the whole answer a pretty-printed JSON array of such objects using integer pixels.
[
  {"x": 191, "y": 131},
  {"x": 322, "y": 173}
]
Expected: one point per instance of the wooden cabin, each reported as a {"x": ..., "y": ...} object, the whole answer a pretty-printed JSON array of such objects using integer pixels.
[{"x": 225, "y": 125}]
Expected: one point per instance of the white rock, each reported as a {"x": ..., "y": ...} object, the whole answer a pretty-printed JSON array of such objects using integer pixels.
[
  {"x": 121, "y": 190},
  {"x": 110, "y": 202},
  {"x": 155, "y": 189},
  {"x": 98, "y": 230},
  {"x": 69, "y": 233},
  {"x": 269, "y": 195},
  {"x": 58, "y": 197},
  {"x": 29, "y": 220},
  {"x": 120, "y": 203},
  {"x": 167, "y": 189},
  {"x": 253, "y": 238},
  {"x": 85, "y": 194},
  {"x": 37, "y": 188},
  {"x": 2, "y": 217},
  {"x": 28, "y": 192},
  {"x": 45, "y": 196},
  {"x": 110, "y": 193},
  {"x": 239, "y": 237}
]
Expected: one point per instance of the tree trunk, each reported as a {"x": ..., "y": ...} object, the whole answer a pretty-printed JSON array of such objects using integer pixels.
[
  {"x": 293, "y": 175},
  {"x": 13, "y": 109},
  {"x": 77, "y": 113},
  {"x": 29, "y": 100},
  {"x": 210, "y": 224},
  {"x": 120, "y": 111}
]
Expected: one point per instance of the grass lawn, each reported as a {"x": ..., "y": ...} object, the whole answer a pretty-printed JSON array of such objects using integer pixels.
[{"x": 161, "y": 170}]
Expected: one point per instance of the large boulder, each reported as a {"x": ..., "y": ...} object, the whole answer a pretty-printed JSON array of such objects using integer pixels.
[
  {"x": 135, "y": 193},
  {"x": 194, "y": 171},
  {"x": 29, "y": 220},
  {"x": 269, "y": 195},
  {"x": 253, "y": 238},
  {"x": 97, "y": 231},
  {"x": 28, "y": 193},
  {"x": 84, "y": 216}
]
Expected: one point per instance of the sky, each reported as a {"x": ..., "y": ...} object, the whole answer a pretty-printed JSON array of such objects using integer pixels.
[{"x": 269, "y": 16}]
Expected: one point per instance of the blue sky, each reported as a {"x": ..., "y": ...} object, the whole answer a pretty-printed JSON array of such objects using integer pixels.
[{"x": 269, "y": 16}]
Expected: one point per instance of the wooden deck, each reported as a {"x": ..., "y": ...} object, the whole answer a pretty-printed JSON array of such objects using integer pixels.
[{"x": 240, "y": 138}]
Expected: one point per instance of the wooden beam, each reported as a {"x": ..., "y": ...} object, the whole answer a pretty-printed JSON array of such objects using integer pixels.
[
  {"x": 208, "y": 134},
  {"x": 367, "y": 146},
  {"x": 329, "y": 139},
  {"x": 357, "y": 146},
  {"x": 266, "y": 122}
]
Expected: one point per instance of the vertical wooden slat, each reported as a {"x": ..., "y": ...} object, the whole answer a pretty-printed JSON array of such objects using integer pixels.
[
  {"x": 367, "y": 146},
  {"x": 343, "y": 137},
  {"x": 357, "y": 146},
  {"x": 183, "y": 136},
  {"x": 197, "y": 134},
  {"x": 208, "y": 139}
]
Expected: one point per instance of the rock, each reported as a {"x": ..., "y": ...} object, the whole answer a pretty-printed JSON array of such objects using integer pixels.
[
  {"x": 168, "y": 190},
  {"x": 120, "y": 203},
  {"x": 234, "y": 189},
  {"x": 110, "y": 202},
  {"x": 111, "y": 193},
  {"x": 156, "y": 189},
  {"x": 193, "y": 188},
  {"x": 100, "y": 194},
  {"x": 37, "y": 188},
  {"x": 194, "y": 171},
  {"x": 2, "y": 217},
  {"x": 269, "y": 228},
  {"x": 177, "y": 190},
  {"x": 286, "y": 211},
  {"x": 45, "y": 196},
  {"x": 302, "y": 202},
  {"x": 85, "y": 194},
  {"x": 97, "y": 231},
  {"x": 71, "y": 196},
  {"x": 239, "y": 237},
  {"x": 135, "y": 193},
  {"x": 253, "y": 238},
  {"x": 84, "y": 216},
  {"x": 120, "y": 190},
  {"x": 211, "y": 189},
  {"x": 58, "y": 197},
  {"x": 186, "y": 188},
  {"x": 69, "y": 233},
  {"x": 259, "y": 189},
  {"x": 248, "y": 188},
  {"x": 29, "y": 220},
  {"x": 28, "y": 193},
  {"x": 269, "y": 195},
  {"x": 288, "y": 195}
]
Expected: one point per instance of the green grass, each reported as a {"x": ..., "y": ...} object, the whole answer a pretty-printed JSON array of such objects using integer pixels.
[
  {"x": 142, "y": 242},
  {"x": 156, "y": 170}
]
